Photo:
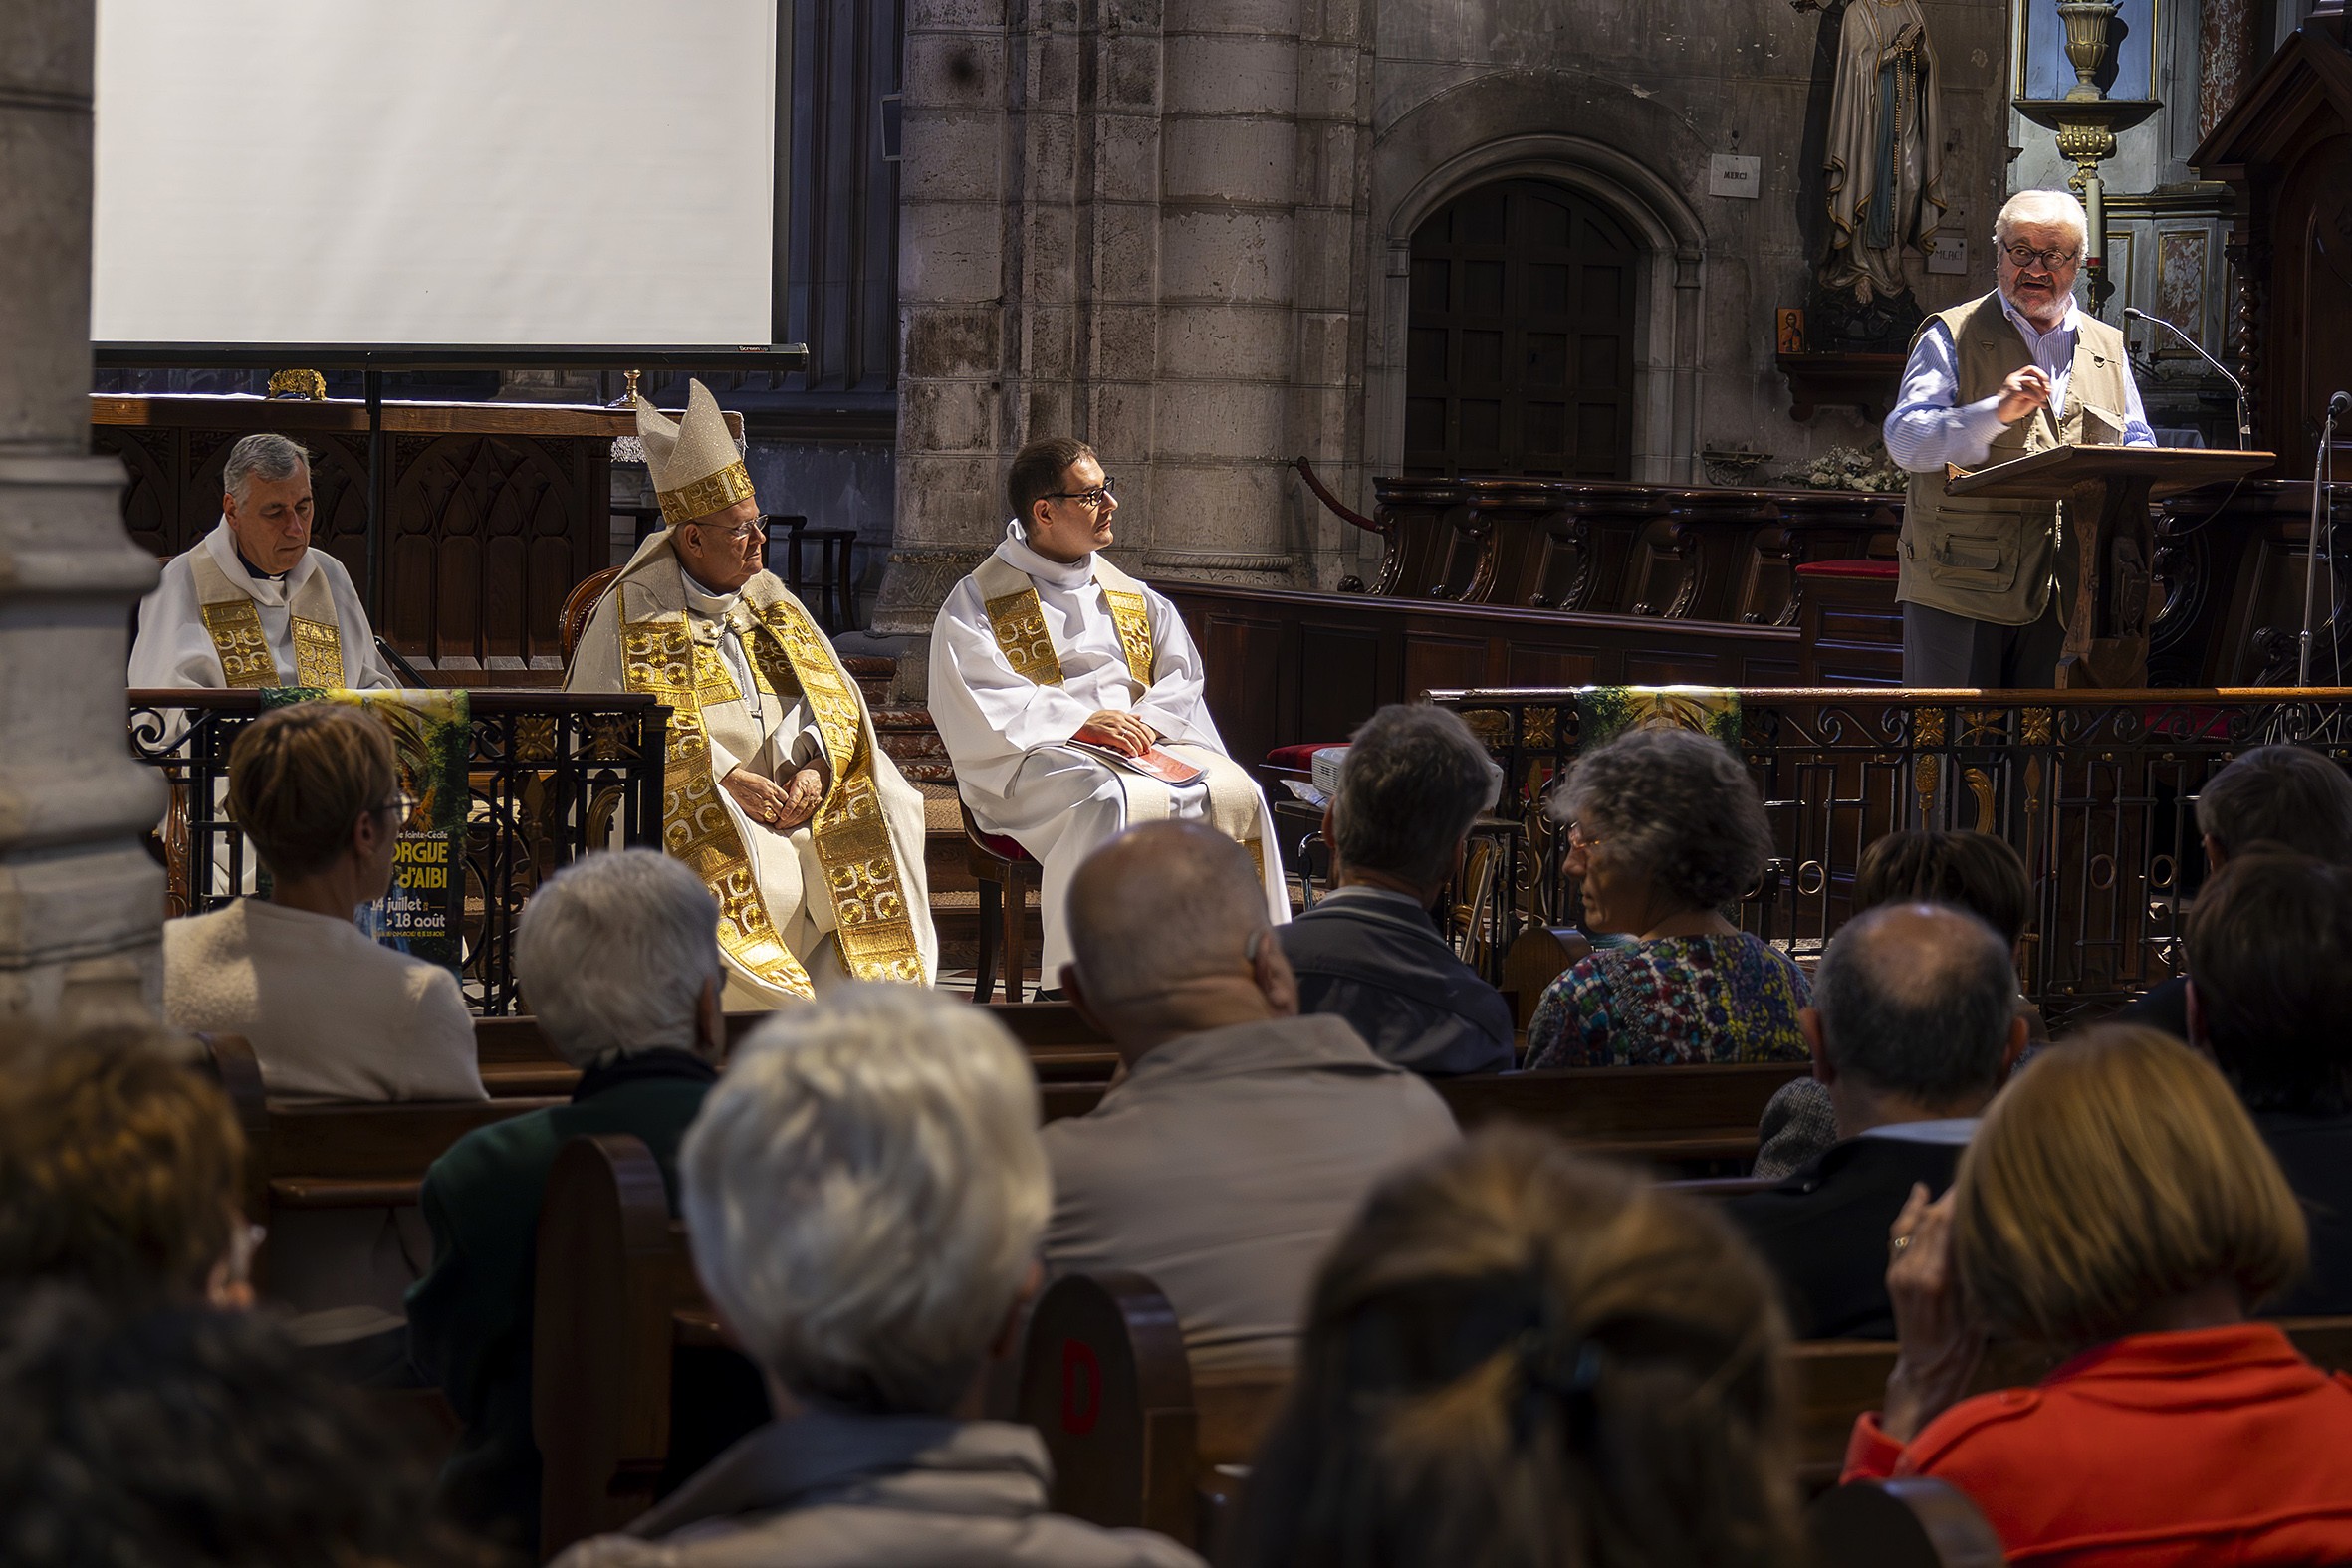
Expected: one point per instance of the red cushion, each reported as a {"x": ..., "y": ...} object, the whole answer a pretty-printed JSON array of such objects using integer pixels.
[
  {"x": 1002, "y": 848},
  {"x": 1882, "y": 570},
  {"x": 1299, "y": 759}
]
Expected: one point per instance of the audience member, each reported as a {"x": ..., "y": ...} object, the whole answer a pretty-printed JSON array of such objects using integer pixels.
[
  {"x": 618, "y": 956},
  {"x": 864, "y": 1193},
  {"x": 184, "y": 1438},
  {"x": 2286, "y": 797},
  {"x": 1664, "y": 829},
  {"x": 1414, "y": 780},
  {"x": 1913, "y": 1027},
  {"x": 2118, "y": 1208},
  {"x": 332, "y": 1016},
  {"x": 120, "y": 1171},
  {"x": 1519, "y": 1357},
  {"x": 2270, "y": 998},
  {"x": 1243, "y": 1137},
  {"x": 1973, "y": 871}
]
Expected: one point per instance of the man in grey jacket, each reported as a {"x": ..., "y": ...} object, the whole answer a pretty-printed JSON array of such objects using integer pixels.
[
  {"x": 1244, "y": 1137},
  {"x": 864, "y": 1191}
]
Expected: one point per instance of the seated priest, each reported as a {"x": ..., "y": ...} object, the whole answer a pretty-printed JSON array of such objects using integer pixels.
[
  {"x": 1051, "y": 667},
  {"x": 779, "y": 796},
  {"x": 253, "y": 604},
  {"x": 1985, "y": 582}
]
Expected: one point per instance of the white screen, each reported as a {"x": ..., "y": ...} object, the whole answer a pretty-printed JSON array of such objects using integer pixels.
[{"x": 555, "y": 172}]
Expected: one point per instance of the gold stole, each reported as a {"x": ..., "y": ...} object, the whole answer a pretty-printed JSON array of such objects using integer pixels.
[
  {"x": 233, "y": 621},
  {"x": 1018, "y": 622},
  {"x": 871, "y": 923}
]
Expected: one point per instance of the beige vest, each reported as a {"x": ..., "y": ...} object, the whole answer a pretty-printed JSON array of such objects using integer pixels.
[{"x": 1995, "y": 561}]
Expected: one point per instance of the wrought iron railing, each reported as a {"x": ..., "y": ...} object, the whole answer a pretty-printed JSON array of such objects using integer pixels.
[
  {"x": 549, "y": 777},
  {"x": 2095, "y": 789}
]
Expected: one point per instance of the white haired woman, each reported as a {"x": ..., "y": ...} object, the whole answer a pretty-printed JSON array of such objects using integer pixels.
[
  {"x": 1664, "y": 829},
  {"x": 864, "y": 1191}
]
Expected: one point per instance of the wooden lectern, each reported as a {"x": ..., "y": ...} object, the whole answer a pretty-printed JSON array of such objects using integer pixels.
[{"x": 2106, "y": 491}]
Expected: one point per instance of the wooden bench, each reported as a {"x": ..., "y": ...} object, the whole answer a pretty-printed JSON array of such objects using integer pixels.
[
  {"x": 633, "y": 1385},
  {"x": 1914, "y": 1522},
  {"x": 1703, "y": 1114},
  {"x": 516, "y": 1059},
  {"x": 1135, "y": 1438}
]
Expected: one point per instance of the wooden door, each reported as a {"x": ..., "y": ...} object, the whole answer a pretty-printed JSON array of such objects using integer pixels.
[{"x": 1521, "y": 342}]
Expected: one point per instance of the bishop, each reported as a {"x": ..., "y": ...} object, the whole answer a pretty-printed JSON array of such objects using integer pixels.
[{"x": 777, "y": 793}]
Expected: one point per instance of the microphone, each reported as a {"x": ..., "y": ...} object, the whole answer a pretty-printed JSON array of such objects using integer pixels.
[
  {"x": 2339, "y": 405},
  {"x": 2246, "y": 427}
]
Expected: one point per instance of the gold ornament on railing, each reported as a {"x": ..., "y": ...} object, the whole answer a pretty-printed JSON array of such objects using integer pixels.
[{"x": 308, "y": 384}]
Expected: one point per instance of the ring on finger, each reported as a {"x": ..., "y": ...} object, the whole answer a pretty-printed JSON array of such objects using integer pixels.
[{"x": 1899, "y": 1243}]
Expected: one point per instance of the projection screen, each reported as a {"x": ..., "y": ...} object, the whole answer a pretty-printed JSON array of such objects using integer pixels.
[{"x": 549, "y": 172}]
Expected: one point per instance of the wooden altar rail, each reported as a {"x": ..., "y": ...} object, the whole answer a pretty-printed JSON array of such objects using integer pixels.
[
  {"x": 549, "y": 777},
  {"x": 2097, "y": 791}
]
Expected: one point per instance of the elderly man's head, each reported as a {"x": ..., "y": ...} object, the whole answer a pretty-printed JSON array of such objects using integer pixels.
[
  {"x": 266, "y": 498},
  {"x": 1413, "y": 782},
  {"x": 2269, "y": 987},
  {"x": 866, "y": 1190},
  {"x": 723, "y": 549},
  {"x": 2038, "y": 243},
  {"x": 618, "y": 954},
  {"x": 2286, "y": 795},
  {"x": 1169, "y": 934},
  {"x": 1914, "y": 1014}
]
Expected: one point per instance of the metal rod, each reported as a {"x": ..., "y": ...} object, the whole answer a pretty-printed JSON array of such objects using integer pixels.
[
  {"x": 2328, "y": 436},
  {"x": 375, "y": 507},
  {"x": 445, "y": 357}
]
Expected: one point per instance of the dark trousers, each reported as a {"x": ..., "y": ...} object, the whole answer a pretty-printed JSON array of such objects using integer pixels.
[{"x": 1944, "y": 649}]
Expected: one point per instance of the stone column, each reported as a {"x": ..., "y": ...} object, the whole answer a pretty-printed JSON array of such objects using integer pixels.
[
  {"x": 1222, "y": 507},
  {"x": 80, "y": 902}
]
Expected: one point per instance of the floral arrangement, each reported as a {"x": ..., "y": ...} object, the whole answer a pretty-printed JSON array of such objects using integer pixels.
[{"x": 1848, "y": 468}]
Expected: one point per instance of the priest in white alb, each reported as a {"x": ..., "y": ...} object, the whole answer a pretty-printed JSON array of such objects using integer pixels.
[
  {"x": 777, "y": 793},
  {"x": 1047, "y": 661},
  {"x": 253, "y": 604}
]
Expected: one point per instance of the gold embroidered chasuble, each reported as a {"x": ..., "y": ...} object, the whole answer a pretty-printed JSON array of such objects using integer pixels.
[
  {"x": 233, "y": 621},
  {"x": 881, "y": 918},
  {"x": 1017, "y": 621}
]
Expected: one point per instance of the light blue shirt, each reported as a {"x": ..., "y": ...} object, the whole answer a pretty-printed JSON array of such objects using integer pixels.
[{"x": 1930, "y": 428}]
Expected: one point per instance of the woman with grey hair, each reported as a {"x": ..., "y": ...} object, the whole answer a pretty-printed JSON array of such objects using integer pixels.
[
  {"x": 1665, "y": 830},
  {"x": 866, "y": 1190}
]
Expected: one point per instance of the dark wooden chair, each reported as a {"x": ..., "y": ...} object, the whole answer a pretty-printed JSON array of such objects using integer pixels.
[
  {"x": 1915, "y": 1522},
  {"x": 632, "y": 1384},
  {"x": 581, "y": 604},
  {"x": 1006, "y": 873},
  {"x": 1136, "y": 1438}
]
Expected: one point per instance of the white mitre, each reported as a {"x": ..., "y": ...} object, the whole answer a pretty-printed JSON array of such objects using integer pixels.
[{"x": 695, "y": 467}]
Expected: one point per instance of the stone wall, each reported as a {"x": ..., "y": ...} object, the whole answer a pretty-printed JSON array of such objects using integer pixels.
[
  {"x": 80, "y": 902},
  {"x": 1179, "y": 229}
]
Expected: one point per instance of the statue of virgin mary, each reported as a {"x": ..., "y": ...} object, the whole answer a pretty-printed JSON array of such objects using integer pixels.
[{"x": 1885, "y": 156}]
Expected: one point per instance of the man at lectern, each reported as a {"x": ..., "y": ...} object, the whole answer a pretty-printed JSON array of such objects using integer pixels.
[{"x": 2011, "y": 374}]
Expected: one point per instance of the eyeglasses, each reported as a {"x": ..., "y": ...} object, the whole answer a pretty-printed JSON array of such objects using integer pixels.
[
  {"x": 755, "y": 528},
  {"x": 1577, "y": 840},
  {"x": 2027, "y": 256},
  {"x": 1090, "y": 499},
  {"x": 403, "y": 805}
]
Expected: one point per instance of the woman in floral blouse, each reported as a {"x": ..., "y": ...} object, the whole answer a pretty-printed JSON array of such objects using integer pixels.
[{"x": 1664, "y": 829}]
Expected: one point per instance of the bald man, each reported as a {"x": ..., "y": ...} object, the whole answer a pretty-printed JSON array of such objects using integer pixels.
[
  {"x": 1243, "y": 1136},
  {"x": 1914, "y": 1028}
]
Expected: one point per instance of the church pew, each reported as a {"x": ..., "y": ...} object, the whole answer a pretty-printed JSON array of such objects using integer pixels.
[
  {"x": 1063, "y": 1047},
  {"x": 633, "y": 1385},
  {"x": 1136, "y": 1438},
  {"x": 1704, "y": 1113}
]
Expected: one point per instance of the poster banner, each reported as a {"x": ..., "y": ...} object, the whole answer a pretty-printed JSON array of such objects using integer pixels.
[{"x": 422, "y": 913}]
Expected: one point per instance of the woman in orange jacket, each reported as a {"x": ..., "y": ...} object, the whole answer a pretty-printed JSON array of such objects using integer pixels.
[{"x": 2118, "y": 1208}]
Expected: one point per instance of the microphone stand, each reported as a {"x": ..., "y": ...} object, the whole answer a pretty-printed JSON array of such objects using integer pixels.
[
  {"x": 2245, "y": 424},
  {"x": 2340, "y": 404}
]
